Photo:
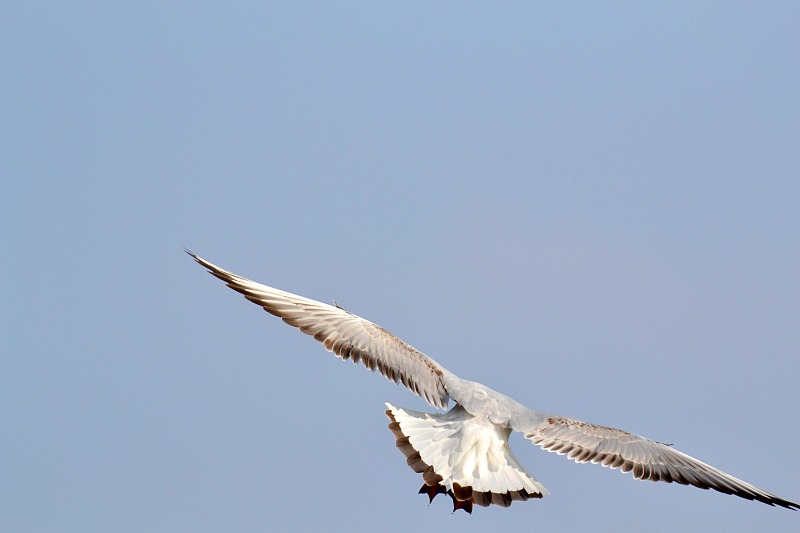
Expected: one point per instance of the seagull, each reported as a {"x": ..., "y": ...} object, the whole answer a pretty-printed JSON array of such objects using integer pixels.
[{"x": 464, "y": 452}]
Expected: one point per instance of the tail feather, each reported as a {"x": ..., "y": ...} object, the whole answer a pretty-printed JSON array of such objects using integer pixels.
[{"x": 464, "y": 456}]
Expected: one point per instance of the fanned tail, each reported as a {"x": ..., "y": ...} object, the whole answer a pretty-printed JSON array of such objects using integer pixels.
[{"x": 463, "y": 456}]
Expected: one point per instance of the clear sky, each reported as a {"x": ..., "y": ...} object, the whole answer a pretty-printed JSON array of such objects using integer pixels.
[{"x": 591, "y": 207}]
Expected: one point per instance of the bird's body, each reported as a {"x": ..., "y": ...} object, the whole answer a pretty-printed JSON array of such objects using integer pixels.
[{"x": 464, "y": 452}]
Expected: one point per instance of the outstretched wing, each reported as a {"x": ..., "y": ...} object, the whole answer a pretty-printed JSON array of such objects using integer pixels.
[
  {"x": 346, "y": 335},
  {"x": 583, "y": 442}
]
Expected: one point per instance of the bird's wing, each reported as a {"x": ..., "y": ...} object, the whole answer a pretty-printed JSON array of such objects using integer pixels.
[
  {"x": 583, "y": 442},
  {"x": 346, "y": 335}
]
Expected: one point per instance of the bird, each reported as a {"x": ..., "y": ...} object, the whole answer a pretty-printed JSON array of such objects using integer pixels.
[{"x": 464, "y": 451}]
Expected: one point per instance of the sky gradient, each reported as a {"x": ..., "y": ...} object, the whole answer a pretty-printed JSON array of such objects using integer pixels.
[{"x": 590, "y": 207}]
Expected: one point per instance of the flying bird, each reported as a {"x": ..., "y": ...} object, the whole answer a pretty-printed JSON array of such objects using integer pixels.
[{"x": 464, "y": 452}]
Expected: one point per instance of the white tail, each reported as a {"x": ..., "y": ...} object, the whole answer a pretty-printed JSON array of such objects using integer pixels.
[{"x": 463, "y": 456}]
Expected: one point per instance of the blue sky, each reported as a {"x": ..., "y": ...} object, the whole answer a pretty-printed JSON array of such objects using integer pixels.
[{"x": 591, "y": 207}]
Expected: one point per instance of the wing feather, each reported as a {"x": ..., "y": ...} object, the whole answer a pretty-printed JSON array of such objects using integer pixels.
[
  {"x": 647, "y": 459},
  {"x": 346, "y": 335}
]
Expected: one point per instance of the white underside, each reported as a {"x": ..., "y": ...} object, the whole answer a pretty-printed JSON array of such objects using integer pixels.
[{"x": 466, "y": 450}]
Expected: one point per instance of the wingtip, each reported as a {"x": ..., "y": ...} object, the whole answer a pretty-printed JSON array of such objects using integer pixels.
[{"x": 199, "y": 260}]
